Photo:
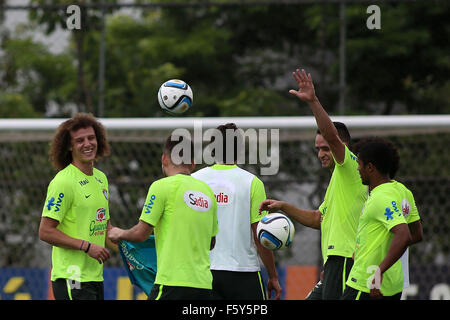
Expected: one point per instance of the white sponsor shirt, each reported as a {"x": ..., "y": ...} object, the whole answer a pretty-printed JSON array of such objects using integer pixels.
[{"x": 235, "y": 190}]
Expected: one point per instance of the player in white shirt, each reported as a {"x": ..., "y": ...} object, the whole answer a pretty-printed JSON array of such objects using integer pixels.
[{"x": 234, "y": 260}]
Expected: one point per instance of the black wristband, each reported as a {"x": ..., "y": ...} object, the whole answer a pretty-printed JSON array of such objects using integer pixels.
[
  {"x": 82, "y": 243},
  {"x": 88, "y": 247}
]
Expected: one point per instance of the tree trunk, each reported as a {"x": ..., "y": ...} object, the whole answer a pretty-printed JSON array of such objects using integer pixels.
[{"x": 84, "y": 99}]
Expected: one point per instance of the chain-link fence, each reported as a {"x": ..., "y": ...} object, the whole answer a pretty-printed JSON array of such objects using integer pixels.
[{"x": 134, "y": 164}]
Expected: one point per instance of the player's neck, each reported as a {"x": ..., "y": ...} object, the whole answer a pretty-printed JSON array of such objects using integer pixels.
[
  {"x": 86, "y": 167},
  {"x": 186, "y": 173},
  {"x": 378, "y": 180},
  {"x": 174, "y": 170}
]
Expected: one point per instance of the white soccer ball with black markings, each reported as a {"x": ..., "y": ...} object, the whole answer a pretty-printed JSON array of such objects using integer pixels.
[
  {"x": 175, "y": 96},
  {"x": 275, "y": 231}
]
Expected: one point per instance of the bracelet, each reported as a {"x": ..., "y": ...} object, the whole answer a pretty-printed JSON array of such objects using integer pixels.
[
  {"x": 82, "y": 244},
  {"x": 88, "y": 247}
]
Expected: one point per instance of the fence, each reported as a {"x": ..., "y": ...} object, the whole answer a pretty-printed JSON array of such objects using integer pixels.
[{"x": 135, "y": 163}]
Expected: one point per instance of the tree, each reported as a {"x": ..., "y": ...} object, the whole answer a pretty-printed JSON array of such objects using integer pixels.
[
  {"x": 405, "y": 64},
  {"x": 202, "y": 46},
  {"x": 90, "y": 20},
  {"x": 239, "y": 64},
  {"x": 33, "y": 77},
  {"x": 15, "y": 105}
]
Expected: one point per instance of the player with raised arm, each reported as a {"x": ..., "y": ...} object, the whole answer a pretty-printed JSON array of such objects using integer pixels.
[
  {"x": 234, "y": 260},
  {"x": 75, "y": 217},
  {"x": 338, "y": 215},
  {"x": 182, "y": 212}
]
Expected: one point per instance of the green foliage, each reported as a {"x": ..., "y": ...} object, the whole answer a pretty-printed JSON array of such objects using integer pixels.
[
  {"x": 239, "y": 60},
  {"x": 403, "y": 63},
  {"x": 15, "y": 105},
  {"x": 34, "y": 76}
]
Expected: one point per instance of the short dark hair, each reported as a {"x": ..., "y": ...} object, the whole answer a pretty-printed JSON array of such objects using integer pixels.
[
  {"x": 342, "y": 130},
  {"x": 173, "y": 140},
  {"x": 234, "y": 142},
  {"x": 381, "y": 152}
]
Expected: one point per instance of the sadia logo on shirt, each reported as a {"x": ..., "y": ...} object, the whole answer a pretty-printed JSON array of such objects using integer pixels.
[
  {"x": 223, "y": 198},
  {"x": 223, "y": 193},
  {"x": 197, "y": 200}
]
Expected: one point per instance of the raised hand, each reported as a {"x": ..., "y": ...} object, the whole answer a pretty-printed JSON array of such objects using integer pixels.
[{"x": 305, "y": 90}]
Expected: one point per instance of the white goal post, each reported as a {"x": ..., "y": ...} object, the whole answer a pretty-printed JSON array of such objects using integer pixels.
[{"x": 439, "y": 122}]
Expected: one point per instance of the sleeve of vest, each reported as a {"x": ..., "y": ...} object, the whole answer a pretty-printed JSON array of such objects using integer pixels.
[
  {"x": 154, "y": 203},
  {"x": 257, "y": 195},
  {"x": 59, "y": 199},
  {"x": 413, "y": 211},
  {"x": 350, "y": 162},
  {"x": 385, "y": 208}
]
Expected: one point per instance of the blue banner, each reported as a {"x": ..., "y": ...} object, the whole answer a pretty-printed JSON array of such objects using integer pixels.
[
  {"x": 428, "y": 282},
  {"x": 23, "y": 283}
]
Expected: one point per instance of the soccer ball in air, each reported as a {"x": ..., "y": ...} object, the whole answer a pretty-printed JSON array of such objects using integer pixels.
[
  {"x": 275, "y": 231},
  {"x": 175, "y": 96}
]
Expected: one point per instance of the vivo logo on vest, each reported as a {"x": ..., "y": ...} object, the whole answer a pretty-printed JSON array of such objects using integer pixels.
[{"x": 197, "y": 200}]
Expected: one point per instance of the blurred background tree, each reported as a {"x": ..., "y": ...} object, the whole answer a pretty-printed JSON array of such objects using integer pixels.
[{"x": 237, "y": 59}]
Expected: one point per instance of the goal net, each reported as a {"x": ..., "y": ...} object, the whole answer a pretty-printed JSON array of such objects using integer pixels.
[{"x": 283, "y": 146}]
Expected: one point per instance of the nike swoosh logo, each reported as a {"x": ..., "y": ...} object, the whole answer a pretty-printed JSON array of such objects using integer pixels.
[{"x": 87, "y": 196}]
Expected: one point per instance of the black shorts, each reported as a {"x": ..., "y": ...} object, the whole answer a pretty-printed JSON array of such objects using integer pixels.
[
  {"x": 353, "y": 294},
  {"x": 236, "y": 285},
  {"x": 163, "y": 292},
  {"x": 335, "y": 274},
  {"x": 65, "y": 289}
]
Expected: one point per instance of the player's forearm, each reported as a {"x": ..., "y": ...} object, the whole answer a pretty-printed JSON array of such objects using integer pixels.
[
  {"x": 265, "y": 254},
  {"x": 323, "y": 120},
  {"x": 132, "y": 235},
  {"x": 396, "y": 249},
  {"x": 108, "y": 243},
  {"x": 415, "y": 228},
  {"x": 58, "y": 238},
  {"x": 268, "y": 260},
  {"x": 138, "y": 233},
  {"x": 309, "y": 218}
]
